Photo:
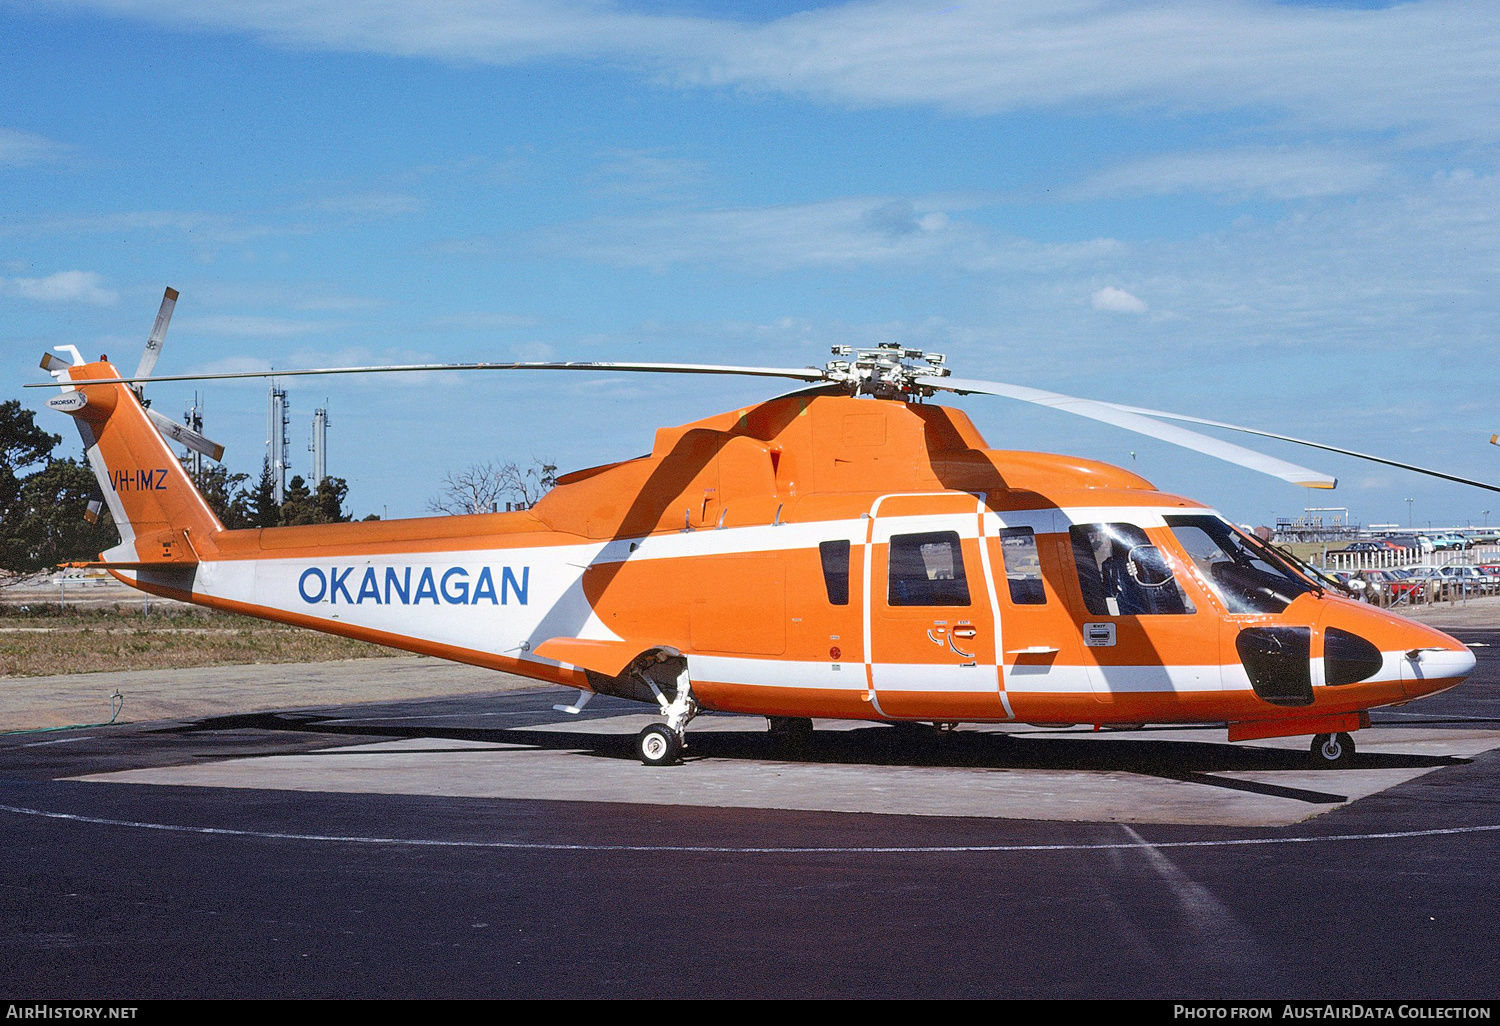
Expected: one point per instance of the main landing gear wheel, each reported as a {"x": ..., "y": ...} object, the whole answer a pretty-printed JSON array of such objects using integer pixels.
[
  {"x": 658, "y": 745},
  {"x": 1333, "y": 751}
]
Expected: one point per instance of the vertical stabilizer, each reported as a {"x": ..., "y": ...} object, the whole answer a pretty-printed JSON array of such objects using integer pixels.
[{"x": 161, "y": 516}]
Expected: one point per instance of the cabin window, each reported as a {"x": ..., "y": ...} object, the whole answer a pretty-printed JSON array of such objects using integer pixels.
[
  {"x": 1023, "y": 567},
  {"x": 835, "y": 556},
  {"x": 927, "y": 570},
  {"x": 1123, "y": 574},
  {"x": 1246, "y": 576}
]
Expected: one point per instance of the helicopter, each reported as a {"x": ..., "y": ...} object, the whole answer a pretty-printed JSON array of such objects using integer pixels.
[{"x": 848, "y": 550}]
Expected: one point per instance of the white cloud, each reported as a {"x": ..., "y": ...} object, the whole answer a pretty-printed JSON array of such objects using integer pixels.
[
  {"x": 1117, "y": 301},
  {"x": 247, "y": 326},
  {"x": 1275, "y": 172},
  {"x": 295, "y": 295},
  {"x": 840, "y": 232},
  {"x": 844, "y": 232},
  {"x": 233, "y": 365},
  {"x": 62, "y": 287},
  {"x": 534, "y": 351},
  {"x": 204, "y": 226},
  {"x": 367, "y": 204},
  {"x": 647, "y": 173},
  {"x": 1430, "y": 66},
  {"x": 23, "y": 149},
  {"x": 481, "y": 321},
  {"x": 199, "y": 225}
]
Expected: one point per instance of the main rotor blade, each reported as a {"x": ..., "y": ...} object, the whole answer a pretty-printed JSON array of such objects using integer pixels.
[
  {"x": 796, "y": 373},
  {"x": 1133, "y": 420},
  {"x": 158, "y": 336},
  {"x": 1314, "y": 445}
]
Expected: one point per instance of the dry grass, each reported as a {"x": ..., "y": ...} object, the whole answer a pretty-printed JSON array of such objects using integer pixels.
[
  {"x": 42, "y": 640},
  {"x": 1311, "y": 552}
]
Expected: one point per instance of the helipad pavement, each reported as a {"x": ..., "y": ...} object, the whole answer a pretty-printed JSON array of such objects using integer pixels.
[{"x": 999, "y": 789}]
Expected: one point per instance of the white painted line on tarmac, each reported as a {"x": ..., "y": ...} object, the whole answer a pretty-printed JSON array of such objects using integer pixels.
[{"x": 689, "y": 849}]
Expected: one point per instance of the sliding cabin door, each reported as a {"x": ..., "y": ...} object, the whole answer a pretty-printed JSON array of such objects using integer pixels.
[{"x": 930, "y": 610}]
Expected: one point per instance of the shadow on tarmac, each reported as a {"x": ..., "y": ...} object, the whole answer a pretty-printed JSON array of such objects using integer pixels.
[{"x": 876, "y": 745}]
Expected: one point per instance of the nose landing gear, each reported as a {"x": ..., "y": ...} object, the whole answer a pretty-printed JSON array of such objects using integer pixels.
[{"x": 1332, "y": 751}]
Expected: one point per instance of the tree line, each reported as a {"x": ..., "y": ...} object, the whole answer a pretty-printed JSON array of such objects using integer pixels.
[
  {"x": 45, "y": 496},
  {"x": 44, "y": 499}
]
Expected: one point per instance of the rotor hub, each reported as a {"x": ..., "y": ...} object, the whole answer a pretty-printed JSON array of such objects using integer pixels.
[{"x": 888, "y": 371}]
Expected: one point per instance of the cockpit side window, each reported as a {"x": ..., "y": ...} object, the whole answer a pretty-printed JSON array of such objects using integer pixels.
[
  {"x": 1246, "y": 578},
  {"x": 1023, "y": 566},
  {"x": 1121, "y": 573},
  {"x": 927, "y": 570}
]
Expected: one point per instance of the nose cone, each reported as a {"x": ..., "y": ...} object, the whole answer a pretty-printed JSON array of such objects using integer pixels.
[
  {"x": 1424, "y": 659},
  {"x": 1433, "y": 661}
]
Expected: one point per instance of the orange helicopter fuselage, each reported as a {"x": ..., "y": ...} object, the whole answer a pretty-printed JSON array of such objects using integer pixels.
[{"x": 815, "y": 555}]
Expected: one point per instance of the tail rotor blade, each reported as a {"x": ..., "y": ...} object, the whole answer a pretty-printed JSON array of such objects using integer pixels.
[
  {"x": 158, "y": 334},
  {"x": 184, "y": 435}
]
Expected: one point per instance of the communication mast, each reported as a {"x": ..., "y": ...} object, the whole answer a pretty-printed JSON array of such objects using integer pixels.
[
  {"x": 193, "y": 418},
  {"x": 277, "y": 423}
]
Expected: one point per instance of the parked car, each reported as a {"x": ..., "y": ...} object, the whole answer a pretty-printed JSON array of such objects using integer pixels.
[
  {"x": 1470, "y": 577},
  {"x": 1383, "y": 587},
  {"x": 1408, "y": 585},
  {"x": 1361, "y": 547}
]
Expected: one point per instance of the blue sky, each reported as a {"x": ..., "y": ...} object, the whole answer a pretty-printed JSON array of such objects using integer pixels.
[{"x": 1278, "y": 214}]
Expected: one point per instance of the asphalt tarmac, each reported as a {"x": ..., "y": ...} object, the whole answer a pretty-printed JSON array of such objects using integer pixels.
[{"x": 488, "y": 846}]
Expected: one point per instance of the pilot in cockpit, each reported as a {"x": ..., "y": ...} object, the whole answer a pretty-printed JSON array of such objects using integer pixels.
[{"x": 1134, "y": 576}]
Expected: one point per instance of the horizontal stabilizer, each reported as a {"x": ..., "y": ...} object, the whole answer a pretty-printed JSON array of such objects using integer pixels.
[
  {"x": 117, "y": 565},
  {"x": 607, "y": 657}
]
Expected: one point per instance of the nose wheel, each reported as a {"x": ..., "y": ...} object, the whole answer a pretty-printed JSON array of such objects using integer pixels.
[{"x": 1333, "y": 751}]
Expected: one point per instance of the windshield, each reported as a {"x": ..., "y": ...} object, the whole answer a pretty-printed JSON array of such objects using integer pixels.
[{"x": 1247, "y": 578}]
